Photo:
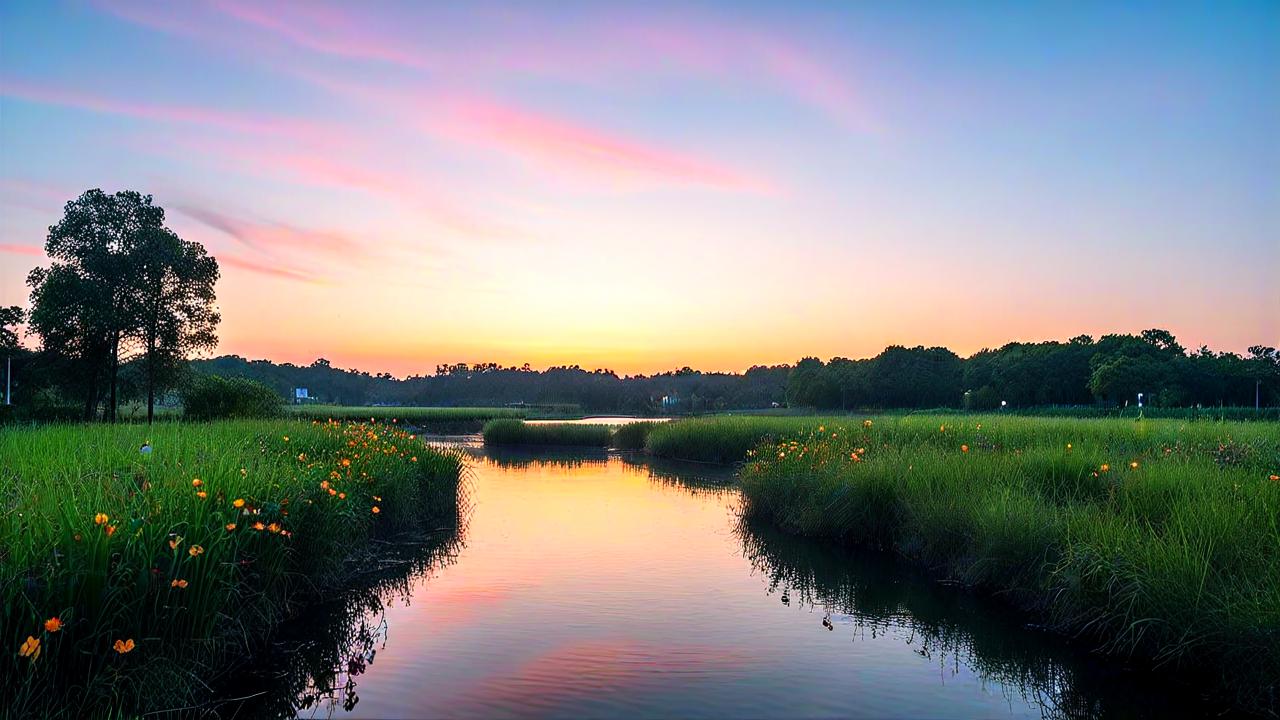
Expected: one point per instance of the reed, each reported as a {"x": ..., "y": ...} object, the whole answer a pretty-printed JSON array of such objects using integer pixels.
[{"x": 517, "y": 432}]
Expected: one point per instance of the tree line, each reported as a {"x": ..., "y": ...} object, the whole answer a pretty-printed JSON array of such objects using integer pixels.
[{"x": 125, "y": 302}]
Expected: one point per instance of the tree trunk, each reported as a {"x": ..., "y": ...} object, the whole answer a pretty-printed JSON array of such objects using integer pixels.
[
  {"x": 115, "y": 371},
  {"x": 151, "y": 378}
]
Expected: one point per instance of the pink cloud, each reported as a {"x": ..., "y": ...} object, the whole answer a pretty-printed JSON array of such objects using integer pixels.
[
  {"x": 322, "y": 29},
  {"x": 155, "y": 111},
  {"x": 15, "y": 249},
  {"x": 260, "y": 268},
  {"x": 566, "y": 145},
  {"x": 269, "y": 236}
]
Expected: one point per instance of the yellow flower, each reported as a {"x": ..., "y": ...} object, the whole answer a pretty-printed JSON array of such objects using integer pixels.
[
  {"x": 302, "y": 457},
  {"x": 100, "y": 518},
  {"x": 866, "y": 423},
  {"x": 195, "y": 550},
  {"x": 243, "y": 472},
  {"x": 1068, "y": 446},
  {"x": 123, "y": 646},
  {"x": 413, "y": 459},
  {"x": 53, "y": 625},
  {"x": 942, "y": 428},
  {"x": 238, "y": 503},
  {"x": 1105, "y": 467},
  {"x": 30, "y": 648},
  {"x": 1133, "y": 465},
  {"x": 286, "y": 438},
  {"x": 179, "y": 583},
  {"x": 964, "y": 448}
]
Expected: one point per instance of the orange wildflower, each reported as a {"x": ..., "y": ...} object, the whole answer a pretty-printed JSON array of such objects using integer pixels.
[
  {"x": 202, "y": 495},
  {"x": 413, "y": 459},
  {"x": 1133, "y": 465},
  {"x": 273, "y": 528},
  {"x": 196, "y": 482},
  {"x": 376, "y": 510},
  {"x": 231, "y": 526},
  {"x": 53, "y": 625},
  {"x": 123, "y": 646},
  {"x": 111, "y": 530},
  {"x": 179, "y": 583},
  {"x": 866, "y": 423},
  {"x": 259, "y": 526},
  {"x": 1105, "y": 467},
  {"x": 286, "y": 438},
  {"x": 30, "y": 648},
  {"x": 964, "y": 448},
  {"x": 100, "y": 518},
  {"x": 1274, "y": 478},
  {"x": 346, "y": 462},
  {"x": 237, "y": 503},
  {"x": 195, "y": 550},
  {"x": 302, "y": 457},
  {"x": 174, "y": 543}
]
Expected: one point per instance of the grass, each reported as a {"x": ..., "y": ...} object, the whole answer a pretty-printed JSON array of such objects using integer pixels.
[
  {"x": 630, "y": 436},
  {"x": 516, "y": 432},
  {"x": 187, "y": 556},
  {"x": 1156, "y": 538},
  {"x": 439, "y": 420}
]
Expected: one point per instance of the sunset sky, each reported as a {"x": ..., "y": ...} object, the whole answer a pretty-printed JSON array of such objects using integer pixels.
[{"x": 641, "y": 187}]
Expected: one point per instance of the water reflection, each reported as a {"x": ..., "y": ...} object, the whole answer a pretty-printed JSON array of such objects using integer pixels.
[
  {"x": 604, "y": 584},
  {"x": 867, "y": 595}
]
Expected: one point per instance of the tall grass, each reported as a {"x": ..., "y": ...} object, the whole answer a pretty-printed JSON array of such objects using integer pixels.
[
  {"x": 516, "y": 432},
  {"x": 164, "y": 552},
  {"x": 1156, "y": 538},
  {"x": 439, "y": 420}
]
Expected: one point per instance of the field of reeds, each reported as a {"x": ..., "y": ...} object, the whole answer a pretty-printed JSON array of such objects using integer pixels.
[
  {"x": 139, "y": 564},
  {"x": 629, "y": 436},
  {"x": 437, "y": 420},
  {"x": 1152, "y": 538},
  {"x": 516, "y": 432}
]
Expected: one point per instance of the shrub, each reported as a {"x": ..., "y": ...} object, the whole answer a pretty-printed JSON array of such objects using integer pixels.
[
  {"x": 212, "y": 397},
  {"x": 517, "y": 432}
]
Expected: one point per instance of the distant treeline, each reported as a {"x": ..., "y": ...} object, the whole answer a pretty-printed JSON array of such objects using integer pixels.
[{"x": 1110, "y": 371}]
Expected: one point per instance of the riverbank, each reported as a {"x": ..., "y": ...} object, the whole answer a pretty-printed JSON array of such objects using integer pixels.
[
  {"x": 138, "y": 561},
  {"x": 1152, "y": 538}
]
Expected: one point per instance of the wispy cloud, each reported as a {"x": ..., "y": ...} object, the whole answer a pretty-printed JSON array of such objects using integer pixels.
[
  {"x": 187, "y": 114},
  {"x": 273, "y": 237},
  {"x": 15, "y": 249},
  {"x": 268, "y": 269},
  {"x": 566, "y": 145}
]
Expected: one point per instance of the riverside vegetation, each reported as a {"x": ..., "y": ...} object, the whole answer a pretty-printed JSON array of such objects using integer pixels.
[
  {"x": 139, "y": 563},
  {"x": 1151, "y": 538}
]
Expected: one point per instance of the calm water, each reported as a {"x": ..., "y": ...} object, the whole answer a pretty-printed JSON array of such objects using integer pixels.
[{"x": 592, "y": 585}]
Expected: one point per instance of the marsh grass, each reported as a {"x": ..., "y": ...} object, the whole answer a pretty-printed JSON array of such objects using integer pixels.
[
  {"x": 517, "y": 432},
  {"x": 193, "y": 551},
  {"x": 1151, "y": 538}
]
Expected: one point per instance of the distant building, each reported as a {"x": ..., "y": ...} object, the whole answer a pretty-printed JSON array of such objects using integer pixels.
[
  {"x": 670, "y": 401},
  {"x": 300, "y": 395}
]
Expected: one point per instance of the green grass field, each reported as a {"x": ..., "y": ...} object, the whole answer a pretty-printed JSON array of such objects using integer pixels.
[
  {"x": 126, "y": 575},
  {"x": 630, "y": 436},
  {"x": 1158, "y": 538}
]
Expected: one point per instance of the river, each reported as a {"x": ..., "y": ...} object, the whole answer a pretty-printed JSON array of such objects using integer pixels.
[{"x": 605, "y": 584}]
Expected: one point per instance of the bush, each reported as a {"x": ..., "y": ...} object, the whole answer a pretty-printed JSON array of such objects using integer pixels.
[
  {"x": 632, "y": 436},
  {"x": 212, "y": 397}
]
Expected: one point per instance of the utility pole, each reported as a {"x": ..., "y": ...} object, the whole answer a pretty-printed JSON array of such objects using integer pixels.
[
  {"x": 8, "y": 379},
  {"x": 1257, "y": 394}
]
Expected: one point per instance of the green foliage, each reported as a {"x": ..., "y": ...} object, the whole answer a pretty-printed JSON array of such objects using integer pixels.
[
  {"x": 120, "y": 279},
  {"x": 209, "y": 397},
  {"x": 1151, "y": 537},
  {"x": 10, "y": 318},
  {"x": 194, "y": 551},
  {"x": 518, "y": 432},
  {"x": 632, "y": 436}
]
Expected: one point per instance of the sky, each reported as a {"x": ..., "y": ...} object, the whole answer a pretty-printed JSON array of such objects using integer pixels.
[{"x": 647, "y": 186}]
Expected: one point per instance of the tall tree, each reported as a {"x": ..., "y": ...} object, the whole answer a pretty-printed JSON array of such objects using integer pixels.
[
  {"x": 174, "y": 302},
  {"x": 10, "y": 317},
  {"x": 119, "y": 280}
]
